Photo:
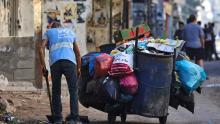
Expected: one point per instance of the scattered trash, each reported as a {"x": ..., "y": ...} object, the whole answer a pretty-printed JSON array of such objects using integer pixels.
[
  {"x": 8, "y": 118},
  {"x": 190, "y": 74}
]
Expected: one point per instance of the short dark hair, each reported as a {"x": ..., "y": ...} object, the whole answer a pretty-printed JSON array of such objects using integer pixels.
[
  {"x": 181, "y": 23},
  {"x": 192, "y": 18},
  {"x": 55, "y": 25}
]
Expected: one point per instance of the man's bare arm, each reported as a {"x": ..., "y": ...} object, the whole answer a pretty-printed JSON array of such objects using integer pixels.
[
  {"x": 41, "y": 49},
  {"x": 202, "y": 41},
  {"x": 78, "y": 57}
]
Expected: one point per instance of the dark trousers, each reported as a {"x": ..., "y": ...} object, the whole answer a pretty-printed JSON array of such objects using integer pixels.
[
  {"x": 67, "y": 68},
  {"x": 208, "y": 50},
  {"x": 195, "y": 53}
]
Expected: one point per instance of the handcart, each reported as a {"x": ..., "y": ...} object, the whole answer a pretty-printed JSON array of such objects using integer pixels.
[{"x": 154, "y": 74}]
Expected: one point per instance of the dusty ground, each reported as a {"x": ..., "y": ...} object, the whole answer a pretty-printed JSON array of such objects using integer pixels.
[{"x": 35, "y": 105}]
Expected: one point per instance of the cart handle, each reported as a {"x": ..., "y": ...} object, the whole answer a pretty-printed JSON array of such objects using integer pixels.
[{"x": 135, "y": 48}]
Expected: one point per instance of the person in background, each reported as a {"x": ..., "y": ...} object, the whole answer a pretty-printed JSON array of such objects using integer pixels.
[
  {"x": 208, "y": 43},
  {"x": 213, "y": 47},
  {"x": 199, "y": 23},
  {"x": 194, "y": 37},
  {"x": 187, "y": 21},
  {"x": 178, "y": 33},
  {"x": 64, "y": 59}
]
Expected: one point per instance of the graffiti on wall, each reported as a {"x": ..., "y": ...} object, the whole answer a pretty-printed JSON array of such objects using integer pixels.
[
  {"x": 64, "y": 12},
  {"x": 100, "y": 13},
  {"x": 80, "y": 10},
  {"x": 69, "y": 13},
  {"x": 84, "y": 10},
  {"x": 117, "y": 6}
]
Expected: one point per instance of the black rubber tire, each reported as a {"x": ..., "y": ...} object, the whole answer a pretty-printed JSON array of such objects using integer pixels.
[
  {"x": 163, "y": 120},
  {"x": 111, "y": 118},
  {"x": 123, "y": 118}
]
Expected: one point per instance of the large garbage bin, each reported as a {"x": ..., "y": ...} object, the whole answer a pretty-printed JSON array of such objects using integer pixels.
[{"x": 154, "y": 74}]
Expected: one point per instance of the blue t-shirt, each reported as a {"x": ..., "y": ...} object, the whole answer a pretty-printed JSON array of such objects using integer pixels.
[
  {"x": 192, "y": 34},
  {"x": 60, "y": 44}
]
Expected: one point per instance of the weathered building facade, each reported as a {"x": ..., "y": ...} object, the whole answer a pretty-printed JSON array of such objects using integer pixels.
[
  {"x": 17, "y": 45},
  {"x": 22, "y": 24}
]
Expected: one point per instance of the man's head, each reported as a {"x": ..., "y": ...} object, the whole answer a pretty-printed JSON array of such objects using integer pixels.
[
  {"x": 192, "y": 18},
  {"x": 199, "y": 23},
  {"x": 213, "y": 24},
  {"x": 55, "y": 25},
  {"x": 181, "y": 25}
]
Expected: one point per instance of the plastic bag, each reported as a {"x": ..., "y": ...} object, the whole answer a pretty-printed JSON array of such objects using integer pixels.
[
  {"x": 122, "y": 65},
  {"x": 129, "y": 83},
  {"x": 86, "y": 58},
  {"x": 190, "y": 74},
  {"x": 120, "y": 70},
  {"x": 108, "y": 89},
  {"x": 102, "y": 65},
  {"x": 124, "y": 58},
  {"x": 92, "y": 63}
]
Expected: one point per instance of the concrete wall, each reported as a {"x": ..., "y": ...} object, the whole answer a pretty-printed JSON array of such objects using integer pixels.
[
  {"x": 25, "y": 18},
  {"x": 4, "y": 17},
  {"x": 16, "y": 18},
  {"x": 17, "y": 59},
  {"x": 19, "y": 65}
]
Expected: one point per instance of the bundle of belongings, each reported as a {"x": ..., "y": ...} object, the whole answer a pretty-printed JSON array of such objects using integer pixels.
[
  {"x": 187, "y": 78},
  {"x": 110, "y": 78}
]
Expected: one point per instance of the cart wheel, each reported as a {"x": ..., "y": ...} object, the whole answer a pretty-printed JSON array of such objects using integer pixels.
[
  {"x": 163, "y": 120},
  {"x": 111, "y": 118},
  {"x": 123, "y": 118}
]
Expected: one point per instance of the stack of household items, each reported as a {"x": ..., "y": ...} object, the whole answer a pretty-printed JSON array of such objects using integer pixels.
[{"x": 109, "y": 80}]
